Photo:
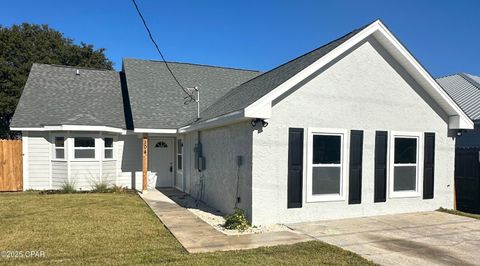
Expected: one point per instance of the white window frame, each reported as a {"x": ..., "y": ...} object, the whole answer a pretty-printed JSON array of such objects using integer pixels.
[
  {"x": 96, "y": 152},
  {"x": 54, "y": 148},
  {"x": 181, "y": 154},
  {"x": 108, "y": 148},
  {"x": 419, "y": 173},
  {"x": 308, "y": 146}
]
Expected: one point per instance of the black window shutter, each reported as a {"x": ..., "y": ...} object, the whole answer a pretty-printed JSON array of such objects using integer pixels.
[
  {"x": 295, "y": 167},
  {"x": 355, "y": 176},
  {"x": 380, "y": 192},
  {"x": 429, "y": 165}
]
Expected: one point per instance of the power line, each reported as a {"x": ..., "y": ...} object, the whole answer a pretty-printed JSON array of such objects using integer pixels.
[{"x": 189, "y": 95}]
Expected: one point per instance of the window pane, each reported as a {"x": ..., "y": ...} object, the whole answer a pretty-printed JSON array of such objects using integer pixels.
[
  {"x": 59, "y": 141},
  {"x": 84, "y": 142},
  {"x": 404, "y": 178},
  {"x": 108, "y": 142},
  {"x": 90, "y": 153},
  {"x": 326, "y": 149},
  {"x": 108, "y": 153},
  {"x": 326, "y": 180},
  {"x": 405, "y": 150},
  {"x": 179, "y": 162},
  {"x": 179, "y": 146},
  {"x": 59, "y": 153}
]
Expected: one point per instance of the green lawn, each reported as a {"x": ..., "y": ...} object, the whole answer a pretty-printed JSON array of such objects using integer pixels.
[{"x": 121, "y": 229}]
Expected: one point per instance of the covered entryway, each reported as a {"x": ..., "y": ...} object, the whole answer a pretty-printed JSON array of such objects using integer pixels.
[
  {"x": 161, "y": 162},
  {"x": 424, "y": 238}
]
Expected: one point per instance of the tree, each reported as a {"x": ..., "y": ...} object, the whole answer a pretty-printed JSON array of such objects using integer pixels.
[{"x": 25, "y": 44}]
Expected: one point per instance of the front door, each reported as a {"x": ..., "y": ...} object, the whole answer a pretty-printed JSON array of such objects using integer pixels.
[{"x": 161, "y": 162}]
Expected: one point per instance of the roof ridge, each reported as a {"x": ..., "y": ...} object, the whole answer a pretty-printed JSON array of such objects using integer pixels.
[
  {"x": 193, "y": 64},
  {"x": 76, "y": 67},
  {"x": 470, "y": 80}
]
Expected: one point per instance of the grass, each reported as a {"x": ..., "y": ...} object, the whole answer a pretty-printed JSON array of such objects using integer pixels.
[
  {"x": 466, "y": 214},
  {"x": 120, "y": 229}
]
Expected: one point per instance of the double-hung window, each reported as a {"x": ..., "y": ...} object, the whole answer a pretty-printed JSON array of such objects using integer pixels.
[
  {"x": 326, "y": 166},
  {"x": 59, "y": 152},
  {"x": 108, "y": 149},
  {"x": 404, "y": 167},
  {"x": 84, "y": 148}
]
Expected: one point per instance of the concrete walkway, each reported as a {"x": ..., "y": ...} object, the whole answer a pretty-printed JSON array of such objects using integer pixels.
[
  {"x": 427, "y": 238},
  {"x": 196, "y": 236}
]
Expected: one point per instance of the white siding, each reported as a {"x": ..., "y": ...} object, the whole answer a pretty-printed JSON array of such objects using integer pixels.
[
  {"x": 109, "y": 172},
  {"x": 39, "y": 161},
  {"x": 59, "y": 174},
  {"x": 365, "y": 90},
  {"x": 84, "y": 174},
  {"x": 130, "y": 161}
]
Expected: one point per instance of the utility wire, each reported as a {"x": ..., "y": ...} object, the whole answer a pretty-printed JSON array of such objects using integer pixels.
[{"x": 189, "y": 95}]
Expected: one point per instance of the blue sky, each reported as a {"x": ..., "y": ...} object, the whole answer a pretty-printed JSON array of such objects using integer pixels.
[{"x": 442, "y": 35}]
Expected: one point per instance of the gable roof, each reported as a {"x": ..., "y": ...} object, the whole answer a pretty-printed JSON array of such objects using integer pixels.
[
  {"x": 465, "y": 91},
  {"x": 55, "y": 95},
  {"x": 245, "y": 94},
  {"x": 254, "y": 98},
  {"x": 158, "y": 103}
]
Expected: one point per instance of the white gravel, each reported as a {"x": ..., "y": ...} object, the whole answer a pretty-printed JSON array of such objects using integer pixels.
[{"x": 216, "y": 218}]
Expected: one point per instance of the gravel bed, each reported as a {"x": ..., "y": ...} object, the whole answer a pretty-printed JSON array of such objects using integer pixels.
[{"x": 216, "y": 218}]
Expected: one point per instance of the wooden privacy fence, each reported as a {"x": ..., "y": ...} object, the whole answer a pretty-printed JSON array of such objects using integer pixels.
[{"x": 11, "y": 177}]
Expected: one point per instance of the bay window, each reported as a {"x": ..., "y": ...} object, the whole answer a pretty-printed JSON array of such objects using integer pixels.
[
  {"x": 108, "y": 148},
  {"x": 84, "y": 148},
  {"x": 59, "y": 148}
]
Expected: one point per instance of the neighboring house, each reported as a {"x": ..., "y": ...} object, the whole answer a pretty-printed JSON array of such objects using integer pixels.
[
  {"x": 465, "y": 91},
  {"x": 354, "y": 128}
]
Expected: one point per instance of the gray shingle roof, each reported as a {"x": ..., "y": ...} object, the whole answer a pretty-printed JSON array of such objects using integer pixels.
[
  {"x": 156, "y": 100},
  {"x": 465, "y": 91},
  {"x": 252, "y": 90},
  {"x": 55, "y": 95}
]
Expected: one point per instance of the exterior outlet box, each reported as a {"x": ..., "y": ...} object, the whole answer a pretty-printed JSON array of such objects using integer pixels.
[
  {"x": 201, "y": 163},
  {"x": 239, "y": 160}
]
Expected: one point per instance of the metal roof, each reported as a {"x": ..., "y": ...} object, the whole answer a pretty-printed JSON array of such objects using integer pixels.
[{"x": 464, "y": 89}]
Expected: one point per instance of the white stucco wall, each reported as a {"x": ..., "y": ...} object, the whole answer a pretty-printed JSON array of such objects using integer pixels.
[
  {"x": 221, "y": 146},
  {"x": 362, "y": 91}
]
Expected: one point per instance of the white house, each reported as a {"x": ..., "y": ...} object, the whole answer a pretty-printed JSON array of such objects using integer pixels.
[{"x": 354, "y": 128}]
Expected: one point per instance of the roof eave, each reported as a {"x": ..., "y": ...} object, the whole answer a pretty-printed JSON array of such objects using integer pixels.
[{"x": 457, "y": 118}]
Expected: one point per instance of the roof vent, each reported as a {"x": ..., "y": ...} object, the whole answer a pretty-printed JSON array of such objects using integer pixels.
[{"x": 77, "y": 72}]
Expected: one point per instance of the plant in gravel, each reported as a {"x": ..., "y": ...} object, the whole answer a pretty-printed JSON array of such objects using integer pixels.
[
  {"x": 237, "y": 221},
  {"x": 68, "y": 187}
]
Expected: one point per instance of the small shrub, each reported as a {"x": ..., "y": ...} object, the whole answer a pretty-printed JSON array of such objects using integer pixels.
[
  {"x": 118, "y": 189},
  {"x": 68, "y": 187},
  {"x": 237, "y": 221},
  {"x": 100, "y": 187}
]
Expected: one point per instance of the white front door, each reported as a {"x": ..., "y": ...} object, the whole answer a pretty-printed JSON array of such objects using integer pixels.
[{"x": 161, "y": 162}]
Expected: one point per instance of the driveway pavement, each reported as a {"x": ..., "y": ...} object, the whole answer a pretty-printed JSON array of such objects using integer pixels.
[
  {"x": 196, "y": 236},
  {"x": 426, "y": 238}
]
